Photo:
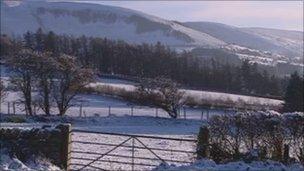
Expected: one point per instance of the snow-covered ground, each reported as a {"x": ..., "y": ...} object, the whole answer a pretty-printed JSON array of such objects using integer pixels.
[
  {"x": 8, "y": 163},
  {"x": 209, "y": 165},
  {"x": 98, "y": 105},
  {"x": 203, "y": 95}
]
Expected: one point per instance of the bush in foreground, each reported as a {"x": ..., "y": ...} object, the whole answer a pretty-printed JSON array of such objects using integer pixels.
[{"x": 257, "y": 136}]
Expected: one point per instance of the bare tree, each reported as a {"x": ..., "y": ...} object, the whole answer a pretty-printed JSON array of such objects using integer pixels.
[
  {"x": 161, "y": 92},
  {"x": 45, "y": 71},
  {"x": 69, "y": 80},
  {"x": 23, "y": 65},
  {"x": 2, "y": 93}
]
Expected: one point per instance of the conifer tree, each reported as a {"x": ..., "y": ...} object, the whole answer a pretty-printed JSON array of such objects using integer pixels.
[{"x": 294, "y": 94}]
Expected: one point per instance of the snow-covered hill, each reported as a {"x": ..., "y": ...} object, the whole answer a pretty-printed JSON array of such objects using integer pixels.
[
  {"x": 271, "y": 46},
  {"x": 285, "y": 42},
  {"x": 292, "y": 40},
  {"x": 99, "y": 20}
]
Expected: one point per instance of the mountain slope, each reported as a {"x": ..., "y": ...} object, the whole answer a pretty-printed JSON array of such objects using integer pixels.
[
  {"x": 260, "y": 39},
  {"x": 292, "y": 40},
  {"x": 99, "y": 20}
]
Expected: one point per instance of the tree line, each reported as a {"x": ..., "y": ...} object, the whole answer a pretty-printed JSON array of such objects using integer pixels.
[{"x": 150, "y": 61}]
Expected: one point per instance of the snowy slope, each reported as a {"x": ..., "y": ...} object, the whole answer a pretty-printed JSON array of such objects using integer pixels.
[
  {"x": 204, "y": 95},
  {"x": 99, "y": 20},
  {"x": 289, "y": 43},
  {"x": 292, "y": 40}
]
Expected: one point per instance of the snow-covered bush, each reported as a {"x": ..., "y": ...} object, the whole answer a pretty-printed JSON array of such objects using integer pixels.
[{"x": 269, "y": 134}]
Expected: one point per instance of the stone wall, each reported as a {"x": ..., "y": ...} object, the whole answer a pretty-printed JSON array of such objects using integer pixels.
[{"x": 51, "y": 143}]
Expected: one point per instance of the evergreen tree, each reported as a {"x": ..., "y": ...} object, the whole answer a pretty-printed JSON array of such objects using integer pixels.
[
  {"x": 294, "y": 94},
  {"x": 39, "y": 38},
  {"x": 29, "y": 40},
  {"x": 50, "y": 42}
]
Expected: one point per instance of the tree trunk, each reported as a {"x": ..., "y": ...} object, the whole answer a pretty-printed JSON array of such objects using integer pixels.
[{"x": 46, "y": 98}]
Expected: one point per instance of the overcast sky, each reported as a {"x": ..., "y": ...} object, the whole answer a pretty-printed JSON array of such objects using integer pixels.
[{"x": 271, "y": 14}]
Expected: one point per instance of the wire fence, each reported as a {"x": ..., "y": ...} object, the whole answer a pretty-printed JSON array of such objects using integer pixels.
[{"x": 84, "y": 110}]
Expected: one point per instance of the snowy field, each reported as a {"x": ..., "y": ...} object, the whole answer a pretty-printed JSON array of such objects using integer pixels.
[
  {"x": 97, "y": 105},
  {"x": 199, "y": 95}
]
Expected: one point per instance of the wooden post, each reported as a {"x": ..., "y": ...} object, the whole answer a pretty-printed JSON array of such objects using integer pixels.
[
  {"x": 109, "y": 112},
  {"x": 202, "y": 117},
  {"x": 8, "y": 108},
  {"x": 156, "y": 112},
  {"x": 131, "y": 110},
  {"x": 80, "y": 110},
  {"x": 65, "y": 150},
  {"x": 184, "y": 113},
  {"x": 14, "y": 108},
  {"x": 203, "y": 143}
]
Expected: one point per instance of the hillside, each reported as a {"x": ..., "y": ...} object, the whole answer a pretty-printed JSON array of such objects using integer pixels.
[
  {"x": 259, "y": 45},
  {"x": 99, "y": 21},
  {"x": 284, "y": 42}
]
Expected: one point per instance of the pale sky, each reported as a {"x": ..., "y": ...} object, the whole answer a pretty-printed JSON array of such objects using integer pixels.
[{"x": 270, "y": 14}]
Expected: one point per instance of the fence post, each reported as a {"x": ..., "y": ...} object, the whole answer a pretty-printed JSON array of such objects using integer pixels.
[
  {"x": 156, "y": 112},
  {"x": 184, "y": 113},
  {"x": 208, "y": 114},
  {"x": 14, "y": 108},
  {"x": 80, "y": 110},
  {"x": 203, "y": 143},
  {"x": 202, "y": 117},
  {"x": 109, "y": 112},
  {"x": 8, "y": 108},
  {"x": 131, "y": 110},
  {"x": 65, "y": 150}
]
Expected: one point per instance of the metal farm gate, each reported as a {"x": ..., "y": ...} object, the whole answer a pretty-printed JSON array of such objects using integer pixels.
[{"x": 92, "y": 150}]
